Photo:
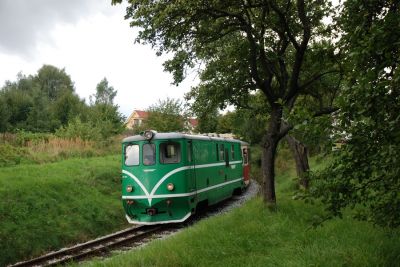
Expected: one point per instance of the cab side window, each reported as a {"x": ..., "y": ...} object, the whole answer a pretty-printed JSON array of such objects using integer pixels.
[
  {"x": 221, "y": 152},
  {"x": 170, "y": 153}
]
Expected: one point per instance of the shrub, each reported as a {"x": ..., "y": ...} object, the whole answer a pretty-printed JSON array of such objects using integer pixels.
[
  {"x": 77, "y": 128},
  {"x": 10, "y": 155},
  {"x": 24, "y": 138}
]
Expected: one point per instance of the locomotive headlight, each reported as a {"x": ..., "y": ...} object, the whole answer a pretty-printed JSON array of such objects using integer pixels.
[
  {"x": 129, "y": 188},
  {"x": 148, "y": 135},
  {"x": 170, "y": 186}
]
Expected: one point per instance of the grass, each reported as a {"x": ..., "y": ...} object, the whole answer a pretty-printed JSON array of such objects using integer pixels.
[
  {"x": 254, "y": 236},
  {"x": 18, "y": 149},
  {"x": 48, "y": 206}
]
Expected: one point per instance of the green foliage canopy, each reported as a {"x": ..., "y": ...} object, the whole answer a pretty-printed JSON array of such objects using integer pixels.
[
  {"x": 53, "y": 81},
  {"x": 365, "y": 174},
  {"x": 39, "y": 103},
  {"x": 46, "y": 102},
  {"x": 105, "y": 94}
]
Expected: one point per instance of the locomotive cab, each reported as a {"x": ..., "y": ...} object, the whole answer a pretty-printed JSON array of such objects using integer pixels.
[{"x": 153, "y": 179}]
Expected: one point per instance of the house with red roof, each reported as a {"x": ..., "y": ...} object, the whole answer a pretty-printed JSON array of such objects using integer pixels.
[
  {"x": 191, "y": 124},
  {"x": 139, "y": 116},
  {"x": 136, "y": 118}
]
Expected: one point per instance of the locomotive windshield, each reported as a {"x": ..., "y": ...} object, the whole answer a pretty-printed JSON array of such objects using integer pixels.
[
  {"x": 131, "y": 155},
  {"x": 149, "y": 154}
]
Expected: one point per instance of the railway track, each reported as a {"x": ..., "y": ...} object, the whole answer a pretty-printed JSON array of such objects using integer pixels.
[{"x": 130, "y": 237}]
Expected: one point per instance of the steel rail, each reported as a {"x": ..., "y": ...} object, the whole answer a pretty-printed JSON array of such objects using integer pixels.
[{"x": 93, "y": 247}]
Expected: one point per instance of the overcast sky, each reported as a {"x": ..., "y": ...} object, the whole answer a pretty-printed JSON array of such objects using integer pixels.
[{"x": 91, "y": 40}]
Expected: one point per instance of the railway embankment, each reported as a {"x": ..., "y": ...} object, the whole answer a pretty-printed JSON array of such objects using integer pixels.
[
  {"x": 48, "y": 206},
  {"x": 251, "y": 235}
]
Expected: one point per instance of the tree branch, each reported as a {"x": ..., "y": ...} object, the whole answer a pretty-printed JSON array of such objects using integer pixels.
[
  {"x": 293, "y": 86},
  {"x": 325, "y": 111},
  {"x": 284, "y": 129},
  {"x": 315, "y": 78},
  {"x": 285, "y": 24}
]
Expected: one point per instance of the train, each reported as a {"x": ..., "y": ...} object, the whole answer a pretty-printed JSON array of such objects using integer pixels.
[{"x": 166, "y": 177}]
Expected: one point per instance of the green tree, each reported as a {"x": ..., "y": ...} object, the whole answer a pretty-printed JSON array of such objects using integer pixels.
[
  {"x": 365, "y": 173},
  {"x": 243, "y": 47},
  {"x": 40, "y": 118},
  {"x": 105, "y": 94},
  {"x": 103, "y": 113},
  {"x": 40, "y": 102},
  {"x": 107, "y": 118},
  {"x": 68, "y": 106},
  {"x": 4, "y": 115},
  {"x": 53, "y": 81},
  {"x": 207, "y": 121},
  {"x": 225, "y": 122},
  {"x": 166, "y": 116},
  {"x": 18, "y": 103}
]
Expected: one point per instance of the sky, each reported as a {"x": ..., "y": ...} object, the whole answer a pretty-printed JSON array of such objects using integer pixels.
[{"x": 89, "y": 39}]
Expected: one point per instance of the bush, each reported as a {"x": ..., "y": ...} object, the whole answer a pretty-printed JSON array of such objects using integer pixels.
[
  {"x": 255, "y": 163},
  {"x": 24, "y": 138},
  {"x": 10, "y": 156},
  {"x": 77, "y": 128}
]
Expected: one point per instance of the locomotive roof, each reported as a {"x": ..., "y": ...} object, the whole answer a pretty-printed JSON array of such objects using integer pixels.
[{"x": 159, "y": 136}]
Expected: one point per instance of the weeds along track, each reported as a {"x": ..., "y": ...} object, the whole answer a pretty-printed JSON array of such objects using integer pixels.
[{"x": 131, "y": 237}]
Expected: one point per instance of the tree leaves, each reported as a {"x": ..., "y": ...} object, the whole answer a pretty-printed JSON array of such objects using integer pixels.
[
  {"x": 365, "y": 174},
  {"x": 46, "y": 101},
  {"x": 166, "y": 116}
]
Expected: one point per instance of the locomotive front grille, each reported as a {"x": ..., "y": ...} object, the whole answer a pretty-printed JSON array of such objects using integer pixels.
[{"x": 152, "y": 211}]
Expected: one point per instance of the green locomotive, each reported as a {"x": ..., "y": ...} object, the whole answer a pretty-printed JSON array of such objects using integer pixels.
[{"x": 166, "y": 176}]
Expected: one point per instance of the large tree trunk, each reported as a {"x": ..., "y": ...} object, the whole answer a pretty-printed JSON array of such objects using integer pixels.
[
  {"x": 300, "y": 155},
  {"x": 269, "y": 146},
  {"x": 268, "y": 170}
]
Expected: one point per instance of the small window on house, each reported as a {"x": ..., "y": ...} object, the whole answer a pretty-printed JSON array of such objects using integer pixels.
[
  {"x": 131, "y": 155},
  {"x": 149, "y": 154},
  {"x": 170, "y": 153}
]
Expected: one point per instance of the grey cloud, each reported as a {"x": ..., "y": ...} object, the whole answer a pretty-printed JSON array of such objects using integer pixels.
[{"x": 23, "y": 23}]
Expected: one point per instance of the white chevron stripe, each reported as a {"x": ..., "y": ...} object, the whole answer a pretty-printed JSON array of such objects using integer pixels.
[
  {"x": 152, "y": 195},
  {"x": 137, "y": 181},
  {"x": 218, "y": 185},
  {"x": 165, "y": 177},
  {"x": 185, "y": 194}
]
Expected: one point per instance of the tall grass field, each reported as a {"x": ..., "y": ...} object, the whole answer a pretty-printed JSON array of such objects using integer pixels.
[{"x": 38, "y": 148}]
